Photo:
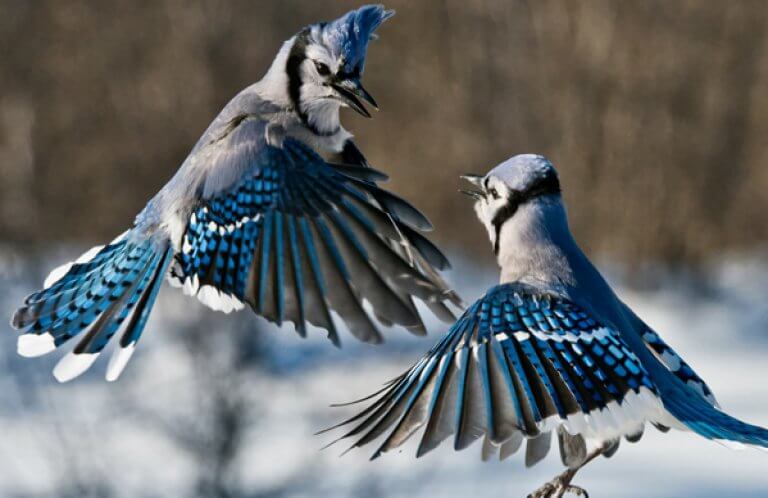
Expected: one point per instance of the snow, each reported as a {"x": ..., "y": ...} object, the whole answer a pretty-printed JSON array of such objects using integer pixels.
[{"x": 156, "y": 430}]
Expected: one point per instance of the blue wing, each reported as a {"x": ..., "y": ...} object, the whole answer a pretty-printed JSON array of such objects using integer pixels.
[
  {"x": 670, "y": 359},
  {"x": 516, "y": 365},
  {"x": 298, "y": 238}
]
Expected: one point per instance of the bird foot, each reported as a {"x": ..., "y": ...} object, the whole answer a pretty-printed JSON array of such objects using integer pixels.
[{"x": 558, "y": 487}]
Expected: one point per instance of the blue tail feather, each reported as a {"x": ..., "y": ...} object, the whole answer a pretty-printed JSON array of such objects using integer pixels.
[
  {"x": 701, "y": 417},
  {"x": 94, "y": 298},
  {"x": 110, "y": 320},
  {"x": 141, "y": 314},
  {"x": 63, "y": 308}
]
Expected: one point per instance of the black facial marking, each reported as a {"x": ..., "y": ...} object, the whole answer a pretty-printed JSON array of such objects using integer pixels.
[
  {"x": 502, "y": 215},
  {"x": 353, "y": 74},
  {"x": 547, "y": 185},
  {"x": 296, "y": 56}
]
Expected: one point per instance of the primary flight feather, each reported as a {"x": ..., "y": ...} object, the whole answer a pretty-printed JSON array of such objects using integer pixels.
[{"x": 550, "y": 349}]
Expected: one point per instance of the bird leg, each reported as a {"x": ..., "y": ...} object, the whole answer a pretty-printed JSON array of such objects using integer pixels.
[{"x": 561, "y": 484}]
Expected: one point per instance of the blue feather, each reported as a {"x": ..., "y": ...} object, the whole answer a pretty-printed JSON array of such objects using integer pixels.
[
  {"x": 266, "y": 248},
  {"x": 297, "y": 275},
  {"x": 309, "y": 246},
  {"x": 349, "y": 35},
  {"x": 141, "y": 314},
  {"x": 279, "y": 267}
]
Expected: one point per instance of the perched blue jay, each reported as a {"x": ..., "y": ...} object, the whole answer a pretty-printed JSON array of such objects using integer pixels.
[
  {"x": 255, "y": 215},
  {"x": 551, "y": 348}
]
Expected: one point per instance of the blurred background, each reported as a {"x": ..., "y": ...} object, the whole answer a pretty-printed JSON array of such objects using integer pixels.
[{"x": 655, "y": 112}]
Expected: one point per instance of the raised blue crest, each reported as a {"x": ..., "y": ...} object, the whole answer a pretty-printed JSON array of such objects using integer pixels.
[{"x": 348, "y": 36}]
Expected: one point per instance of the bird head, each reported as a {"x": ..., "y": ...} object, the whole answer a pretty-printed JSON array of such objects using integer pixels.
[
  {"x": 519, "y": 181},
  {"x": 326, "y": 62}
]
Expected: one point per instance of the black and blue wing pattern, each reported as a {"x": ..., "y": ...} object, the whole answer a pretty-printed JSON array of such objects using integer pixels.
[
  {"x": 667, "y": 356},
  {"x": 299, "y": 239},
  {"x": 516, "y": 366},
  {"x": 108, "y": 291}
]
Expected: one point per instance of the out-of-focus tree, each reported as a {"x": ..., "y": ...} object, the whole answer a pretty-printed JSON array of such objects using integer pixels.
[{"x": 654, "y": 111}]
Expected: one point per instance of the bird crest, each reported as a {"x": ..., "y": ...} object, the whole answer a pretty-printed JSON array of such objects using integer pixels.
[{"x": 347, "y": 37}]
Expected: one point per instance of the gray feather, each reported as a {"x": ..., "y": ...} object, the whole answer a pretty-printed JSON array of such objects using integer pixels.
[
  {"x": 442, "y": 419},
  {"x": 611, "y": 447},
  {"x": 511, "y": 445},
  {"x": 340, "y": 293},
  {"x": 472, "y": 410},
  {"x": 489, "y": 449},
  {"x": 416, "y": 416},
  {"x": 505, "y": 423},
  {"x": 537, "y": 448},
  {"x": 633, "y": 438},
  {"x": 573, "y": 449}
]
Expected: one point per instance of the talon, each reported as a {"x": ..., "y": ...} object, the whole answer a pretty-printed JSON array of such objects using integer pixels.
[
  {"x": 545, "y": 491},
  {"x": 576, "y": 490}
]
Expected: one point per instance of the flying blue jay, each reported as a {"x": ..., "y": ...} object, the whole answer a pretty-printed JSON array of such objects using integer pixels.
[
  {"x": 255, "y": 215},
  {"x": 549, "y": 349}
]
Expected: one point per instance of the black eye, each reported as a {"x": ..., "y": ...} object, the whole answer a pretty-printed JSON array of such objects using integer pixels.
[
  {"x": 322, "y": 69},
  {"x": 494, "y": 193}
]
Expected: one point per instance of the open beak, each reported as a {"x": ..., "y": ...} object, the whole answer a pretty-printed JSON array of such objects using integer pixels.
[
  {"x": 473, "y": 194},
  {"x": 351, "y": 91},
  {"x": 475, "y": 180}
]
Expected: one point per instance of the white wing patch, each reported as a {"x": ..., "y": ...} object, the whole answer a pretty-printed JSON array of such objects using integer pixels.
[{"x": 208, "y": 294}]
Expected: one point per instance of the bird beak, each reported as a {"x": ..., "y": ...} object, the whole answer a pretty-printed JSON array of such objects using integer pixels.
[
  {"x": 473, "y": 194},
  {"x": 475, "y": 180},
  {"x": 351, "y": 91}
]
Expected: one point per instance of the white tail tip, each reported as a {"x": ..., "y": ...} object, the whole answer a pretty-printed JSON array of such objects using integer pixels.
[
  {"x": 56, "y": 274},
  {"x": 32, "y": 345},
  {"x": 73, "y": 365},
  {"x": 118, "y": 361}
]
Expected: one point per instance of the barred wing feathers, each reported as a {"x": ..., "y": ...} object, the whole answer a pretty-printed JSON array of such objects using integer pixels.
[
  {"x": 516, "y": 366},
  {"x": 299, "y": 239}
]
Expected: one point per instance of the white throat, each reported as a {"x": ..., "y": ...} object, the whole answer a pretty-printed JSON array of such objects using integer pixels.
[
  {"x": 322, "y": 114},
  {"x": 535, "y": 243}
]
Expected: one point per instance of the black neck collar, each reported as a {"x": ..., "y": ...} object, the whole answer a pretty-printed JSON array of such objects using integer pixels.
[{"x": 549, "y": 184}]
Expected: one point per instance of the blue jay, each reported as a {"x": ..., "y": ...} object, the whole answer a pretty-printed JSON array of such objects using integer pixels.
[
  {"x": 549, "y": 349},
  {"x": 275, "y": 207}
]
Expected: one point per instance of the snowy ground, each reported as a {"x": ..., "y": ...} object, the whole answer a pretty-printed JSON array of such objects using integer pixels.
[{"x": 183, "y": 407}]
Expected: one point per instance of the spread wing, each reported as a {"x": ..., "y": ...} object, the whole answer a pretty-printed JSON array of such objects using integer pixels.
[
  {"x": 299, "y": 239},
  {"x": 516, "y": 366},
  {"x": 412, "y": 244}
]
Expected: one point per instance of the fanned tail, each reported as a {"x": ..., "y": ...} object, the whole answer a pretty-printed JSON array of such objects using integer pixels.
[{"x": 109, "y": 288}]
